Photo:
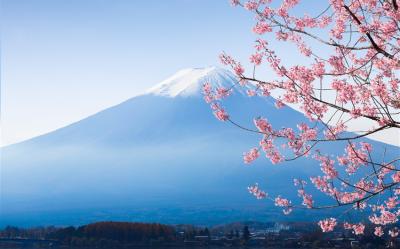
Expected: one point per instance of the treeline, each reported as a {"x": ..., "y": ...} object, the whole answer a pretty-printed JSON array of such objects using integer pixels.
[
  {"x": 120, "y": 232},
  {"x": 99, "y": 234},
  {"x": 33, "y": 233}
]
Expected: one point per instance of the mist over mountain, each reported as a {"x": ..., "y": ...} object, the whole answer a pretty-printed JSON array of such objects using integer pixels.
[{"x": 160, "y": 156}]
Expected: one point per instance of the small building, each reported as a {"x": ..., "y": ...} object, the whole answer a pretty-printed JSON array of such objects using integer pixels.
[{"x": 202, "y": 238}]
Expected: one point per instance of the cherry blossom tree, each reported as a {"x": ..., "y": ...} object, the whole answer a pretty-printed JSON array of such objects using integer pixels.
[{"x": 356, "y": 78}]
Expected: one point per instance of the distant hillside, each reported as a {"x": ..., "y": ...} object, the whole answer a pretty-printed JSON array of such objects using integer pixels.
[{"x": 158, "y": 157}]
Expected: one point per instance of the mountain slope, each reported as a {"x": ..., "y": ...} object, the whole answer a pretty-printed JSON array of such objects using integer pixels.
[{"x": 160, "y": 156}]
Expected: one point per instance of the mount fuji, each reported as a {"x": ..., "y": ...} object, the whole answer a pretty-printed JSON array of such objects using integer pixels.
[{"x": 159, "y": 156}]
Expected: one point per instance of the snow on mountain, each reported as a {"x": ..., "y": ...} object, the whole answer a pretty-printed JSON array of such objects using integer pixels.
[
  {"x": 160, "y": 156},
  {"x": 188, "y": 82}
]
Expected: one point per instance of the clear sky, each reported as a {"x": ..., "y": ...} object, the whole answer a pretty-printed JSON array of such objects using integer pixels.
[{"x": 63, "y": 60}]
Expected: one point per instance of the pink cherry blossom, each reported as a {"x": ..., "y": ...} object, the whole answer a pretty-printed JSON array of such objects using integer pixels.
[
  {"x": 257, "y": 192},
  {"x": 250, "y": 156},
  {"x": 378, "y": 231},
  {"x": 235, "y": 2},
  {"x": 221, "y": 114},
  {"x": 307, "y": 198},
  {"x": 222, "y": 92},
  {"x": 251, "y": 5},
  {"x": 279, "y": 104},
  {"x": 285, "y": 203},
  {"x": 347, "y": 225},
  {"x": 282, "y": 202},
  {"x": 327, "y": 225},
  {"x": 385, "y": 217},
  {"x": 256, "y": 58},
  {"x": 396, "y": 176},
  {"x": 392, "y": 202},
  {"x": 347, "y": 72},
  {"x": 238, "y": 69},
  {"x": 262, "y": 28},
  {"x": 358, "y": 228},
  {"x": 263, "y": 125}
]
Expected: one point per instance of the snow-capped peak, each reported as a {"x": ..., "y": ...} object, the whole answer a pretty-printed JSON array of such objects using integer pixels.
[{"x": 189, "y": 82}]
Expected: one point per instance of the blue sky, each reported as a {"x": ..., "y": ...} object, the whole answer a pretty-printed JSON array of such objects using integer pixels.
[{"x": 63, "y": 60}]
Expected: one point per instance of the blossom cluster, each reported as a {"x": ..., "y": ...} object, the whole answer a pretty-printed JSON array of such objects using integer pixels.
[
  {"x": 257, "y": 192},
  {"x": 356, "y": 78}
]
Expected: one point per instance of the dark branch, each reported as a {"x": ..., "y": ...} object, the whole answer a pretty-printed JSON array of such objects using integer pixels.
[{"x": 373, "y": 43}]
